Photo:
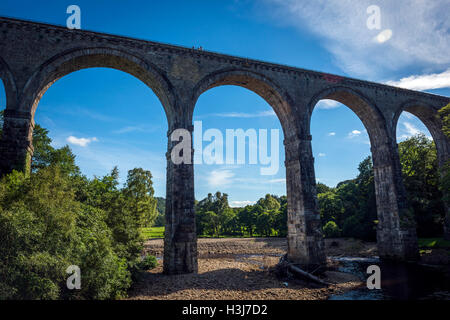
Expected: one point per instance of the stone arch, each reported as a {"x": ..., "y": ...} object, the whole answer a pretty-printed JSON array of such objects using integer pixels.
[
  {"x": 67, "y": 62},
  {"x": 258, "y": 83},
  {"x": 430, "y": 118},
  {"x": 363, "y": 107},
  {"x": 428, "y": 115},
  {"x": 8, "y": 83},
  {"x": 396, "y": 233},
  {"x": 305, "y": 242}
]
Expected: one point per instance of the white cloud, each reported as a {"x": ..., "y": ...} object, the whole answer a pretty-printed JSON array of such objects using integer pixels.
[
  {"x": 129, "y": 129},
  {"x": 384, "y": 36},
  {"x": 282, "y": 180},
  {"x": 419, "y": 32},
  {"x": 332, "y": 134},
  {"x": 218, "y": 178},
  {"x": 354, "y": 133},
  {"x": 321, "y": 154},
  {"x": 126, "y": 155},
  {"x": 327, "y": 104},
  {"x": 242, "y": 203},
  {"x": 409, "y": 130},
  {"x": 408, "y": 115},
  {"x": 424, "y": 82},
  {"x": 82, "y": 142}
]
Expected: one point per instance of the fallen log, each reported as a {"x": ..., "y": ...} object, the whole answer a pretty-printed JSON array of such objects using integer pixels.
[{"x": 307, "y": 275}]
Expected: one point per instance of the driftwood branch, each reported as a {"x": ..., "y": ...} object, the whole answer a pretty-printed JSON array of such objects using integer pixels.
[
  {"x": 305, "y": 274},
  {"x": 284, "y": 263}
]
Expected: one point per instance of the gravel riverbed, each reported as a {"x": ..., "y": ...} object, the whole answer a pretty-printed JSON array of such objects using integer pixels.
[{"x": 242, "y": 269}]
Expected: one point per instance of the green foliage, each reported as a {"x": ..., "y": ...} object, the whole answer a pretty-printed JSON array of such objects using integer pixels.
[
  {"x": 139, "y": 193},
  {"x": 354, "y": 227},
  {"x": 148, "y": 262},
  {"x": 351, "y": 205},
  {"x": 331, "y": 230},
  {"x": 247, "y": 218},
  {"x": 268, "y": 217},
  {"x": 45, "y": 230},
  {"x": 281, "y": 218},
  {"x": 55, "y": 217},
  {"x": 331, "y": 206},
  {"x": 160, "y": 220},
  {"x": 322, "y": 188},
  {"x": 265, "y": 222},
  {"x": 444, "y": 114},
  {"x": 421, "y": 179},
  {"x": 214, "y": 215},
  {"x": 45, "y": 155},
  {"x": 269, "y": 203},
  {"x": 433, "y": 243},
  {"x": 211, "y": 222},
  {"x": 152, "y": 232}
]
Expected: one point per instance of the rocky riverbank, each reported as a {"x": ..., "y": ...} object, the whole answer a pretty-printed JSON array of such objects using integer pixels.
[
  {"x": 244, "y": 269},
  {"x": 237, "y": 268}
]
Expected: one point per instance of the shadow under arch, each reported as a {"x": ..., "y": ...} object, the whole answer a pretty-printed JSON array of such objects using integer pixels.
[
  {"x": 8, "y": 84},
  {"x": 78, "y": 59},
  {"x": 266, "y": 88},
  {"x": 365, "y": 109},
  {"x": 428, "y": 115}
]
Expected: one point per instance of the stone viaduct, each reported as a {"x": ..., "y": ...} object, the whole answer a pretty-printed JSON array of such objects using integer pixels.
[{"x": 35, "y": 55}]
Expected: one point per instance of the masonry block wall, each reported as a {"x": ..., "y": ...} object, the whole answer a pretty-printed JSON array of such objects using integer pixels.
[{"x": 34, "y": 55}]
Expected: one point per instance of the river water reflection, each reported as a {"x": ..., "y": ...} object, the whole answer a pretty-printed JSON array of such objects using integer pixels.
[{"x": 399, "y": 281}]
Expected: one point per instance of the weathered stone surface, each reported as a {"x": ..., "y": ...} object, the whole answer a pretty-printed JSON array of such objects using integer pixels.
[{"x": 34, "y": 55}]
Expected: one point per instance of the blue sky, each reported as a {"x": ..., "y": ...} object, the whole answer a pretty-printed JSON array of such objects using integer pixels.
[{"x": 110, "y": 118}]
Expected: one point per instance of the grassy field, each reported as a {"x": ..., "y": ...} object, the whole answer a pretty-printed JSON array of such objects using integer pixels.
[
  {"x": 153, "y": 232},
  {"x": 158, "y": 232}
]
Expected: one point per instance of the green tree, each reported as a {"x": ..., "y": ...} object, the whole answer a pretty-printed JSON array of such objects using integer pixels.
[
  {"x": 280, "y": 222},
  {"x": 330, "y": 206},
  {"x": 351, "y": 205},
  {"x": 421, "y": 179},
  {"x": 265, "y": 221},
  {"x": 269, "y": 203},
  {"x": 139, "y": 191},
  {"x": 208, "y": 223},
  {"x": 160, "y": 220},
  {"x": 227, "y": 221},
  {"x": 45, "y": 155},
  {"x": 212, "y": 223},
  {"x": 43, "y": 230},
  {"x": 322, "y": 188},
  {"x": 367, "y": 201},
  {"x": 331, "y": 230},
  {"x": 247, "y": 217},
  {"x": 56, "y": 217},
  {"x": 444, "y": 114}
]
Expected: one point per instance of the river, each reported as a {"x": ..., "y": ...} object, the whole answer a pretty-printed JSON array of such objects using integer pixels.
[{"x": 399, "y": 281}]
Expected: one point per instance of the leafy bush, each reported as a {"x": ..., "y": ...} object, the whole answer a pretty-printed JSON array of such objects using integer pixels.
[
  {"x": 331, "y": 230},
  {"x": 148, "y": 262},
  {"x": 44, "y": 229}
]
